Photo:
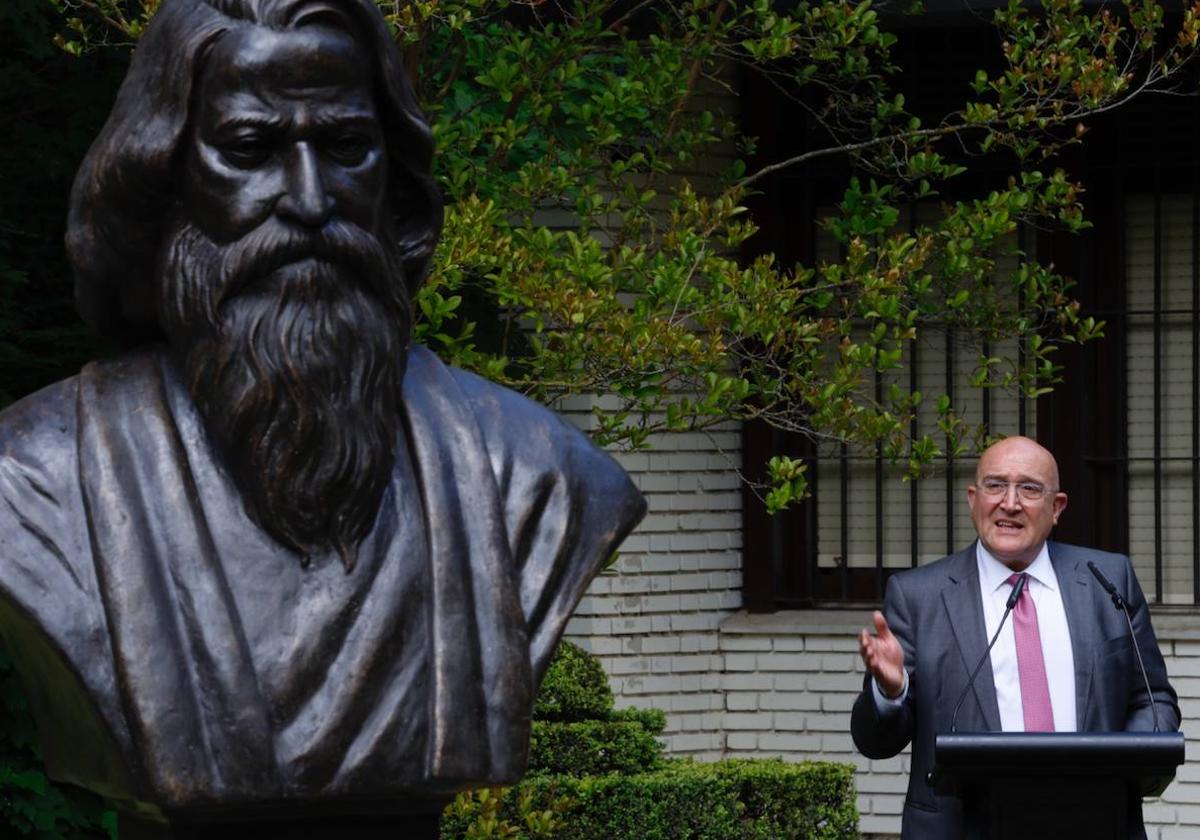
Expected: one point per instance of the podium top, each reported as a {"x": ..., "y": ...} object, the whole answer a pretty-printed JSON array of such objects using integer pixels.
[{"x": 1147, "y": 760}]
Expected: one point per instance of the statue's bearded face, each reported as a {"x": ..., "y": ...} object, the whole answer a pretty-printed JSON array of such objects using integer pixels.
[{"x": 282, "y": 290}]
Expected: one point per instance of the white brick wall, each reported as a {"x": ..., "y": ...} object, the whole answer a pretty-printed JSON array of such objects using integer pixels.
[{"x": 654, "y": 619}]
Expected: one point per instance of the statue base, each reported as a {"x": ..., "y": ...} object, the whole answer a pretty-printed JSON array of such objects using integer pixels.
[{"x": 358, "y": 827}]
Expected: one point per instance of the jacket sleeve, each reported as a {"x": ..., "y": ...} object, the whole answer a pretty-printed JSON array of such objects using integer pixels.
[{"x": 883, "y": 736}]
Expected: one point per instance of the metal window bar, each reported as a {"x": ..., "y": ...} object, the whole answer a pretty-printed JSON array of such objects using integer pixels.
[
  {"x": 914, "y": 499},
  {"x": 810, "y": 524},
  {"x": 844, "y": 478},
  {"x": 878, "y": 491},
  {"x": 1157, "y": 415},
  {"x": 950, "y": 547},
  {"x": 1196, "y": 386},
  {"x": 1021, "y": 344},
  {"x": 985, "y": 395}
]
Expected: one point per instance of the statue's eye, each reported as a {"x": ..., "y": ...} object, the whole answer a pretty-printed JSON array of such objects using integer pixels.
[
  {"x": 247, "y": 151},
  {"x": 348, "y": 149}
]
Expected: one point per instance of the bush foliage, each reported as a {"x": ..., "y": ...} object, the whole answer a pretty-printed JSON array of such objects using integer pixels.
[
  {"x": 575, "y": 687},
  {"x": 730, "y": 800},
  {"x": 605, "y": 778}
]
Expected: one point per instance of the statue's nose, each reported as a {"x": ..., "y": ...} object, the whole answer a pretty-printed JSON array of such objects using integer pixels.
[{"x": 305, "y": 199}]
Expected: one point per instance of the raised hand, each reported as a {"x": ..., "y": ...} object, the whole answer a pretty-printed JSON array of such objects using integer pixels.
[{"x": 883, "y": 656}]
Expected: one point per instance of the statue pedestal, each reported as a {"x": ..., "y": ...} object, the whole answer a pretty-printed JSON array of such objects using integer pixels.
[{"x": 356, "y": 827}]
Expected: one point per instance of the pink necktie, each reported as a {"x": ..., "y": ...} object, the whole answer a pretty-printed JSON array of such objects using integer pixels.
[{"x": 1035, "y": 690}]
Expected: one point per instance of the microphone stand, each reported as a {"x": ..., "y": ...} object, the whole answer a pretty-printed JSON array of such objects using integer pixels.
[
  {"x": 1008, "y": 608},
  {"x": 1119, "y": 603}
]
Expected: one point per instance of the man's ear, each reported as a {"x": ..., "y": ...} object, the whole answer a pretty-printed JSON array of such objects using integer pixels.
[{"x": 1060, "y": 504}]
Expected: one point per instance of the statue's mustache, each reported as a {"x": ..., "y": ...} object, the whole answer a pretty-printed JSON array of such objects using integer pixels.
[{"x": 275, "y": 245}]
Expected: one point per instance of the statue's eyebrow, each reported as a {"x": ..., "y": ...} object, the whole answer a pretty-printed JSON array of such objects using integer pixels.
[
  {"x": 364, "y": 119},
  {"x": 235, "y": 121}
]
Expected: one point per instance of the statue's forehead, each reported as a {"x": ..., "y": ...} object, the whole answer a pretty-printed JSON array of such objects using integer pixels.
[{"x": 309, "y": 57}]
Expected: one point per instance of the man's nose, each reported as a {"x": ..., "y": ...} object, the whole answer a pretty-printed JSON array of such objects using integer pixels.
[
  {"x": 305, "y": 199},
  {"x": 1011, "y": 500}
]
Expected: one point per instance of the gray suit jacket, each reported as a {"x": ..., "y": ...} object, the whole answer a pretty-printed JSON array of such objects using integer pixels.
[{"x": 937, "y": 614}]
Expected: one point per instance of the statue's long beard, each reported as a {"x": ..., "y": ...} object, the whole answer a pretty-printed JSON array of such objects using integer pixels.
[{"x": 292, "y": 345}]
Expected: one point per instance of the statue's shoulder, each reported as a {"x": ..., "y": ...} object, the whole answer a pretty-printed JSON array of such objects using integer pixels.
[
  {"x": 41, "y": 428},
  {"x": 43, "y": 531},
  {"x": 39, "y": 437},
  {"x": 525, "y": 437},
  {"x": 45, "y": 423}
]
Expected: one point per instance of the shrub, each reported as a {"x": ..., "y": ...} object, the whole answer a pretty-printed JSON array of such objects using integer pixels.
[
  {"x": 575, "y": 687},
  {"x": 596, "y": 773},
  {"x": 593, "y": 747},
  {"x": 813, "y": 799},
  {"x": 728, "y": 800}
]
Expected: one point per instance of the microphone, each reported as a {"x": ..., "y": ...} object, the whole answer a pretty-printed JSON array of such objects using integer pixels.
[
  {"x": 1015, "y": 596},
  {"x": 1120, "y": 604}
]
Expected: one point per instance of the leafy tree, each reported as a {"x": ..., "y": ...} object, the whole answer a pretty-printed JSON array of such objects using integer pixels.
[{"x": 581, "y": 256}]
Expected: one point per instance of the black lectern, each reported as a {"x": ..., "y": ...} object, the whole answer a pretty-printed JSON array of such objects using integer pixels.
[{"x": 1029, "y": 785}]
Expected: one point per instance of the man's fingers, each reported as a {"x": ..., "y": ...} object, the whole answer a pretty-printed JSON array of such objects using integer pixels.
[{"x": 881, "y": 626}]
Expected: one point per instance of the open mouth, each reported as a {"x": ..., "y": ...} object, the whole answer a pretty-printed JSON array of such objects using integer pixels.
[{"x": 1009, "y": 525}]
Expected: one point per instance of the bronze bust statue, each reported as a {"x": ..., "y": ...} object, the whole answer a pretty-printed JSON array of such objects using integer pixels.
[{"x": 276, "y": 562}]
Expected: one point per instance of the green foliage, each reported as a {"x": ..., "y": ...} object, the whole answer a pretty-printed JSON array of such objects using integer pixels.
[
  {"x": 575, "y": 688},
  {"x": 30, "y": 805},
  {"x": 728, "y": 800},
  {"x": 605, "y": 777},
  {"x": 577, "y": 732},
  {"x": 582, "y": 254},
  {"x": 592, "y": 747},
  {"x": 502, "y": 814}
]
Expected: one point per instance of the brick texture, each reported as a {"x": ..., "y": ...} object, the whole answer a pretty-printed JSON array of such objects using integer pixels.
[{"x": 654, "y": 619}]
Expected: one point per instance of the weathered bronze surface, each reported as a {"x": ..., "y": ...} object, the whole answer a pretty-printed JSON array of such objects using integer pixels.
[{"x": 276, "y": 562}]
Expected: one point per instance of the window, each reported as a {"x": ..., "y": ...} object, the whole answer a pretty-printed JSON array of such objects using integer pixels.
[{"x": 1124, "y": 424}]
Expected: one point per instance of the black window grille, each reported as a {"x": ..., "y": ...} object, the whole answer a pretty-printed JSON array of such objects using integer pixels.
[{"x": 1124, "y": 424}]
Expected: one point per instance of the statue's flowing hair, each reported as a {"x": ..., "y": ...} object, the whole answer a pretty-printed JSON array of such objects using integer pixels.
[{"x": 128, "y": 182}]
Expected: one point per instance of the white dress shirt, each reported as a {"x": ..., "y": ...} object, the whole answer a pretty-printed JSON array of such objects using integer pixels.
[
  {"x": 994, "y": 590},
  {"x": 1043, "y": 587}
]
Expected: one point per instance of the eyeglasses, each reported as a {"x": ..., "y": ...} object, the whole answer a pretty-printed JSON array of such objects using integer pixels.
[{"x": 1030, "y": 491}]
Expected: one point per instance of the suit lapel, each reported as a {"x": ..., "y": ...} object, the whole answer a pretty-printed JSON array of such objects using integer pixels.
[
  {"x": 964, "y": 607},
  {"x": 1077, "y": 602}
]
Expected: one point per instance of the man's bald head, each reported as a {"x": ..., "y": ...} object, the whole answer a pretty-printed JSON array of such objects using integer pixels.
[
  {"x": 1015, "y": 500},
  {"x": 1026, "y": 448}
]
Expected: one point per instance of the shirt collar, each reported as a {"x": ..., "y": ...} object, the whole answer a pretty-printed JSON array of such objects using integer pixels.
[{"x": 995, "y": 574}]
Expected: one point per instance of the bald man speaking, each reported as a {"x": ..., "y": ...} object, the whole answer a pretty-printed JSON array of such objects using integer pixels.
[{"x": 1062, "y": 663}]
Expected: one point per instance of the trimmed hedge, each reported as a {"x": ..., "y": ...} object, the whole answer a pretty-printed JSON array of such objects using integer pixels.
[
  {"x": 812, "y": 799},
  {"x": 730, "y": 800},
  {"x": 593, "y": 747},
  {"x": 596, "y": 773},
  {"x": 575, "y": 687}
]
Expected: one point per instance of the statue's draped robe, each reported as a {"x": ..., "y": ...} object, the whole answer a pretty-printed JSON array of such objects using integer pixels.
[{"x": 178, "y": 659}]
